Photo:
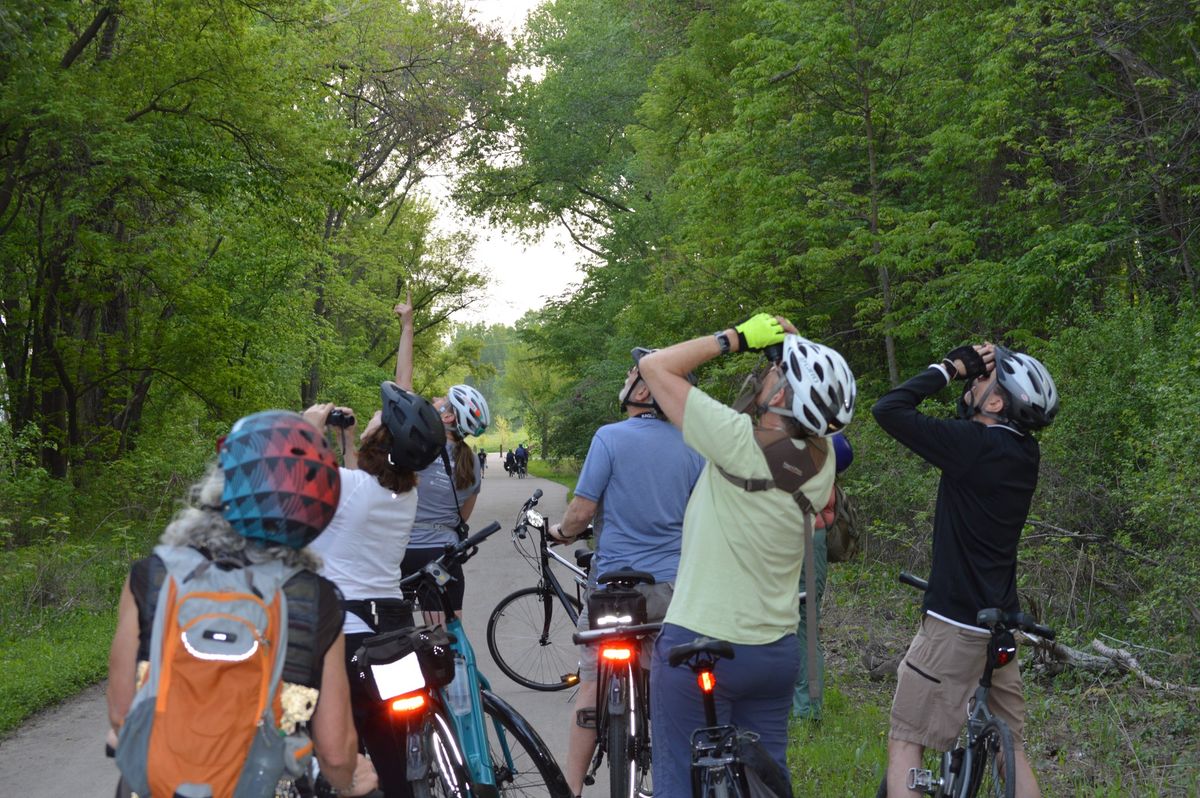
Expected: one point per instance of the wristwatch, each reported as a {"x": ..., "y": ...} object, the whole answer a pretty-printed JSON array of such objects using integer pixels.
[{"x": 722, "y": 341}]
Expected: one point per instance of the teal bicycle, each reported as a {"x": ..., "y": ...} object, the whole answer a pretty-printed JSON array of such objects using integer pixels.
[{"x": 465, "y": 728}]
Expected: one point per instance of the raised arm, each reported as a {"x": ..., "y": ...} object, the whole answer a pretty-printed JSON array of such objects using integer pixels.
[{"x": 404, "y": 353}]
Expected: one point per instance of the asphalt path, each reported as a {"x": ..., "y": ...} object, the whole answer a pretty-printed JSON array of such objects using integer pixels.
[{"x": 60, "y": 752}]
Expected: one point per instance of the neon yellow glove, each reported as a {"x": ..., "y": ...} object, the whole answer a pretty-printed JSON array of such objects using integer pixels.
[{"x": 758, "y": 332}]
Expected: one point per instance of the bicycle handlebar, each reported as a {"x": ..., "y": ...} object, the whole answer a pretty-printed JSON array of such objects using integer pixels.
[
  {"x": 455, "y": 553},
  {"x": 991, "y": 617},
  {"x": 593, "y": 636}
]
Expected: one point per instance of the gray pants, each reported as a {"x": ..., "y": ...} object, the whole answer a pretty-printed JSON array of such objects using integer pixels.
[{"x": 802, "y": 705}]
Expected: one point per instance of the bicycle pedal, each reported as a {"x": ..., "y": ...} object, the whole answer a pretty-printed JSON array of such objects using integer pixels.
[
  {"x": 920, "y": 779},
  {"x": 586, "y": 718}
]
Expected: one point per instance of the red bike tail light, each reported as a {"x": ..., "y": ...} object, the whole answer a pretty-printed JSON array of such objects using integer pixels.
[
  {"x": 413, "y": 702},
  {"x": 1005, "y": 655},
  {"x": 707, "y": 681},
  {"x": 617, "y": 653}
]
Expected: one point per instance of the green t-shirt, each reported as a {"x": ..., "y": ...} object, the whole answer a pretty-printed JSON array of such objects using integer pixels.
[{"x": 739, "y": 572}]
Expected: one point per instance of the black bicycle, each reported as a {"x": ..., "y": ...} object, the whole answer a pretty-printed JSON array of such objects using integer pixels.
[
  {"x": 726, "y": 761},
  {"x": 617, "y": 613},
  {"x": 529, "y": 631},
  {"x": 982, "y": 763}
]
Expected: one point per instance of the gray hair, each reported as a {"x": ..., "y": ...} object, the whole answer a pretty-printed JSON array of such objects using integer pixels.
[{"x": 200, "y": 523}]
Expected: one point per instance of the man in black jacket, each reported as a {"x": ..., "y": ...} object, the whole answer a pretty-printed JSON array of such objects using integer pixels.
[{"x": 989, "y": 465}]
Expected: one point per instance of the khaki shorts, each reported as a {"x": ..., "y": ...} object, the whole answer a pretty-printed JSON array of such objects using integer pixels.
[
  {"x": 937, "y": 678},
  {"x": 658, "y": 598}
]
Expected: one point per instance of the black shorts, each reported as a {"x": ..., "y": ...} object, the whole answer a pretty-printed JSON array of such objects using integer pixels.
[{"x": 415, "y": 559}]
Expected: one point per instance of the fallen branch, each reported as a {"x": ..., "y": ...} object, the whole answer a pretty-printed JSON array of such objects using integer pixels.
[
  {"x": 1128, "y": 663},
  {"x": 1064, "y": 654}
]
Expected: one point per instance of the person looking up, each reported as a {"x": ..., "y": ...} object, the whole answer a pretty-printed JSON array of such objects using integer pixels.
[
  {"x": 365, "y": 543},
  {"x": 450, "y": 484},
  {"x": 636, "y": 504},
  {"x": 989, "y": 462},
  {"x": 743, "y": 533}
]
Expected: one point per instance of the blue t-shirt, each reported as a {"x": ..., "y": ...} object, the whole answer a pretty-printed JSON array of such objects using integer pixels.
[
  {"x": 640, "y": 474},
  {"x": 437, "y": 514}
]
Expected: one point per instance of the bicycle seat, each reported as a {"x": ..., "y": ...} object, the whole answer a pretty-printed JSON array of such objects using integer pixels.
[
  {"x": 626, "y": 575},
  {"x": 583, "y": 558},
  {"x": 701, "y": 645},
  {"x": 993, "y": 618}
]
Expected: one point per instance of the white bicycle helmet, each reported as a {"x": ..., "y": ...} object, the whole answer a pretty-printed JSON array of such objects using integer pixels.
[
  {"x": 823, "y": 389},
  {"x": 471, "y": 412},
  {"x": 1033, "y": 399}
]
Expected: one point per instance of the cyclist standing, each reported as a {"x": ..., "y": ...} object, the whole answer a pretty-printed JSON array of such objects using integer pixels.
[
  {"x": 244, "y": 510},
  {"x": 450, "y": 484},
  {"x": 636, "y": 504},
  {"x": 989, "y": 464},
  {"x": 743, "y": 543}
]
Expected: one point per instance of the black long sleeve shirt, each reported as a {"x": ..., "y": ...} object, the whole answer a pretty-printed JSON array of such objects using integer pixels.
[{"x": 989, "y": 473}]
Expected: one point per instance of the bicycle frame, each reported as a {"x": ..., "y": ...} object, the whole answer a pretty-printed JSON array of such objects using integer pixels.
[{"x": 546, "y": 576}]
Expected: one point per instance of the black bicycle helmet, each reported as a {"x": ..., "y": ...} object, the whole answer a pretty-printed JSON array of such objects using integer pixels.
[
  {"x": 1033, "y": 399},
  {"x": 418, "y": 435}
]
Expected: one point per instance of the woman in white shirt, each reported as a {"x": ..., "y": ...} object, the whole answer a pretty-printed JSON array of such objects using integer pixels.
[{"x": 364, "y": 544}]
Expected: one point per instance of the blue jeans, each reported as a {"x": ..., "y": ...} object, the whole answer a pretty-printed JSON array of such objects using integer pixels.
[{"x": 754, "y": 692}]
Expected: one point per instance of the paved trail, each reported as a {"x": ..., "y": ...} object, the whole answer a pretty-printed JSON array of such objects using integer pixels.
[{"x": 61, "y": 751}]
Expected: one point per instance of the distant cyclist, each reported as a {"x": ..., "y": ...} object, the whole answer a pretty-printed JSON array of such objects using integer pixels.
[
  {"x": 521, "y": 455},
  {"x": 743, "y": 541},
  {"x": 989, "y": 464},
  {"x": 449, "y": 486},
  {"x": 636, "y": 503}
]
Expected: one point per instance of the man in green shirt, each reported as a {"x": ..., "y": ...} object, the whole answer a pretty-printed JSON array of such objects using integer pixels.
[{"x": 743, "y": 541}]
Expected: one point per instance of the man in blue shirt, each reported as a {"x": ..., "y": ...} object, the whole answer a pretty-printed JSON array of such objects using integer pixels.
[{"x": 634, "y": 487}]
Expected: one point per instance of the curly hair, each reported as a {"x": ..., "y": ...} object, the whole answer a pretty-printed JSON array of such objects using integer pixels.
[{"x": 200, "y": 523}]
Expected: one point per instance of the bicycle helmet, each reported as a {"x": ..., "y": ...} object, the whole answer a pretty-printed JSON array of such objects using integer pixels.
[
  {"x": 638, "y": 352},
  {"x": 1032, "y": 397},
  {"x": 281, "y": 479},
  {"x": 418, "y": 435},
  {"x": 471, "y": 413},
  {"x": 823, "y": 389}
]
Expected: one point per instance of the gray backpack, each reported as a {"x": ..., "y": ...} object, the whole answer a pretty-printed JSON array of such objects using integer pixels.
[{"x": 206, "y": 721}]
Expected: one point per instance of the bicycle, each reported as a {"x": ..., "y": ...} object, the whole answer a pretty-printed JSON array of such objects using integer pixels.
[
  {"x": 622, "y": 711},
  {"x": 505, "y": 756},
  {"x": 726, "y": 762},
  {"x": 529, "y": 632},
  {"x": 982, "y": 764}
]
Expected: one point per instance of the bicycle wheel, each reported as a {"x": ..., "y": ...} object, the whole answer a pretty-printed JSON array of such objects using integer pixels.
[
  {"x": 444, "y": 771},
  {"x": 619, "y": 738},
  {"x": 529, "y": 637},
  {"x": 522, "y": 763},
  {"x": 993, "y": 768}
]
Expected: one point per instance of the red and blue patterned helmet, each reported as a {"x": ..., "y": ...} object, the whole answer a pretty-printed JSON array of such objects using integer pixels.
[{"x": 281, "y": 479}]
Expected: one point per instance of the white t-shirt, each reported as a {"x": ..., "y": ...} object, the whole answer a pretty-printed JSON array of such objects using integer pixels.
[{"x": 364, "y": 543}]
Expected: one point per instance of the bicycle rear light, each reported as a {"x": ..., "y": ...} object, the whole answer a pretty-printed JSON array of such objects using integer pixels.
[
  {"x": 1005, "y": 650},
  {"x": 617, "y": 652},
  {"x": 707, "y": 681},
  {"x": 405, "y": 704}
]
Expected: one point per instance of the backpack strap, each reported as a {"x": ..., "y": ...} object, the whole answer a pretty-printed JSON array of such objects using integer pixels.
[
  {"x": 790, "y": 466},
  {"x": 810, "y": 611}
]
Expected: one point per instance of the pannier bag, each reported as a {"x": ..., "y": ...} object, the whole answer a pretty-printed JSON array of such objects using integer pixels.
[
  {"x": 391, "y": 661},
  {"x": 611, "y": 605}
]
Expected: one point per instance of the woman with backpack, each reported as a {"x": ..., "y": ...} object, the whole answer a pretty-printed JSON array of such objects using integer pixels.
[
  {"x": 366, "y": 541},
  {"x": 274, "y": 489},
  {"x": 450, "y": 484}
]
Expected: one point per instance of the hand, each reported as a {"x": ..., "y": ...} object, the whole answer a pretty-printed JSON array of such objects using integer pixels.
[
  {"x": 969, "y": 362},
  {"x": 317, "y": 414},
  {"x": 365, "y": 778},
  {"x": 557, "y": 533},
  {"x": 759, "y": 331},
  {"x": 405, "y": 309}
]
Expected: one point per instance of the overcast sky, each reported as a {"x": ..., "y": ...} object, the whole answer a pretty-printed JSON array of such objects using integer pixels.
[{"x": 522, "y": 276}]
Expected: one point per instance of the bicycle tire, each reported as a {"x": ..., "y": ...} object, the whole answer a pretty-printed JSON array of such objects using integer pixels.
[
  {"x": 446, "y": 776},
  {"x": 993, "y": 766},
  {"x": 619, "y": 739},
  {"x": 522, "y": 652},
  {"x": 521, "y": 761}
]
